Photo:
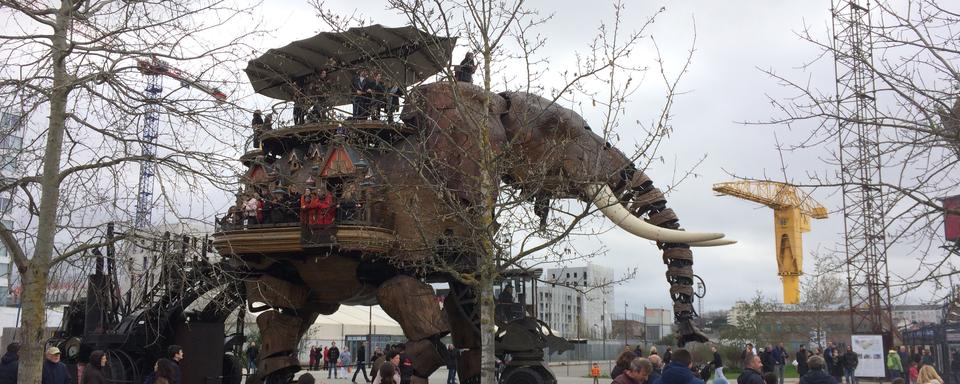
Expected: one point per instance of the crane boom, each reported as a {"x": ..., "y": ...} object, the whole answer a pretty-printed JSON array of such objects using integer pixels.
[
  {"x": 156, "y": 67},
  {"x": 792, "y": 210},
  {"x": 773, "y": 194}
]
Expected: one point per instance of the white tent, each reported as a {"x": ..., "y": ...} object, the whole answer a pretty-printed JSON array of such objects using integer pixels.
[{"x": 353, "y": 320}]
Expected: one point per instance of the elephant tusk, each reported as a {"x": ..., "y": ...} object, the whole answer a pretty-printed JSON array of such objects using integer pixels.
[
  {"x": 613, "y": 210},
  {"x": 712, "y": 243}
]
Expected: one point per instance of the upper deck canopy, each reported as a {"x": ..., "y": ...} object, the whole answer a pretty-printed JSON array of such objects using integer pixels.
[{"x": 403, "y": 55}]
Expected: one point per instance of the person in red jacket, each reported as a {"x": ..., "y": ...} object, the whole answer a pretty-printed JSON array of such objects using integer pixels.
[
  {"x": 325, "y": 209},
  {"x": 307, "y": 207}
]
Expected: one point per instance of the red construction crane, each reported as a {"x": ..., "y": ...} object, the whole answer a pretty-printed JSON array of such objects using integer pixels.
[{"x": 161, "y": 68}]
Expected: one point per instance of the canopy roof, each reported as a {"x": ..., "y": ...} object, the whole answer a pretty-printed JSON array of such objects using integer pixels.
[{"x": 402, "y": 55}]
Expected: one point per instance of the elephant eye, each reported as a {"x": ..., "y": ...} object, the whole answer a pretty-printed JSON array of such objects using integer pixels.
[
  {"x": 587, "y": 127},
  {"x": 607, "y": 145}
]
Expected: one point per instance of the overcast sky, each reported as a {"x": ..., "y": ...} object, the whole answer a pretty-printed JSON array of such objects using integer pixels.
[{"x": 724, "y": 87}]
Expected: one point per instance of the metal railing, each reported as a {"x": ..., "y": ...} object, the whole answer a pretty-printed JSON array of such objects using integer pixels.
[{"x": 372, "y": 215}]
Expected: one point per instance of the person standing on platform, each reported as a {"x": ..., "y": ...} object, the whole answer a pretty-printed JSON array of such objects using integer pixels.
[
  {"x": 464, "y": 71},
  {"x": 359, "y": 86}
]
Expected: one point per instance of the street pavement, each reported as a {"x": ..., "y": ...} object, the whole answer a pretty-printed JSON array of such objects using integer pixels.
[{"x": 440, "y": 377}]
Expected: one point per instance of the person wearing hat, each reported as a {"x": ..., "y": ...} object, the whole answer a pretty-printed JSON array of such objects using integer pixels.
[{"x": 55, "y": 372}]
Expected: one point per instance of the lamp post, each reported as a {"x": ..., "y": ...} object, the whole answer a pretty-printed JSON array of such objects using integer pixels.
[
  {"x": 625, "y": 324},
  {"x": 603, "y": 329}
]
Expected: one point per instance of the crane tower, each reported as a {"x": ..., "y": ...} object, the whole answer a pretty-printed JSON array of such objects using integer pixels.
[
  {"x": 860, "y": 168},
  {"x": 153, "y": 69},
  {"x": 792, "y": 210}
]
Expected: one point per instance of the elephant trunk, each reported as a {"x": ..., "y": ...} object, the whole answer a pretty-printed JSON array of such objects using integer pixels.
[{"x": 639, "y": 198}]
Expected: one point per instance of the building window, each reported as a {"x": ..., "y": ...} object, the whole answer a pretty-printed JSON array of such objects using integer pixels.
[
  {"x": 574, "y": 275},
  {"x": 568, "y": 275}
]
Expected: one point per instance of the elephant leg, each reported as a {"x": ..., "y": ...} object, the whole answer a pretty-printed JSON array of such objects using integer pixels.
[
  {"x": 463, "y": 314},
  {"x": 646, "y": 199},
  {"x": 280, "y": 329},
  {"x": 413, "y": 305}
]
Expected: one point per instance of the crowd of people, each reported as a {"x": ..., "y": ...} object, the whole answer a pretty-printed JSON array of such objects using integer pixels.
[
  {"x": 831, "y": 365},
  {"x": 166, "y": 370},
  {"x": 315, "y": 206},
  {"x": 372, "y": 96},
  {"x": 673, "y": 367},
  {"x": 393, "y": 366}
]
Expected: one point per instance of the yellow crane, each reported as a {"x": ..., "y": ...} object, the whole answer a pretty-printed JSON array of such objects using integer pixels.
[{"x": 792, "y": 210}]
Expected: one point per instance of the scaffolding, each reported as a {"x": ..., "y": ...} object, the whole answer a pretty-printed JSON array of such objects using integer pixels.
[
  {"x": 860, "y": 168},
  {"x": 148, "y": 149}
]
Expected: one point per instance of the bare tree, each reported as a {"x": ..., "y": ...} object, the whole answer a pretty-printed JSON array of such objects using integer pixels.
[
  {"x": 822, "y": 290},
  {"x": 521, "y": 222},
  {"x": 76, "y": 62},
  {"x": 914, "y": 64}
]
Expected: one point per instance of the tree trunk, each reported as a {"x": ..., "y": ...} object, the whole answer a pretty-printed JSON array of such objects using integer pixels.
[
  {"x": 35, "y": 280},
  {"x": 33, "y": 320},
  {"x": 487, "y": 322}
]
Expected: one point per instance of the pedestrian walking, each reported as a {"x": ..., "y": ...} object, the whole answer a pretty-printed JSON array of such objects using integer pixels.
[
  {"x": 175, "y": 354},
  {"x": 361, "y": 363},
  {"x": 717, "y": 364}
]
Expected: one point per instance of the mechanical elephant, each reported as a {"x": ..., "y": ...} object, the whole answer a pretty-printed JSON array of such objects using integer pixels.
[
  {"x": 432, "y": 179},
  {"x": 542, "y": 149}
]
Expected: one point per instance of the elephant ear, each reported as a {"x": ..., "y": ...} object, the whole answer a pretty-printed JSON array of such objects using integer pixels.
[{"x": 452, "y": 120}]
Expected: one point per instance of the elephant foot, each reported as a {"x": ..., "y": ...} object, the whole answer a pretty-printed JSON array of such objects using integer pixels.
[{"x": 687, "y": 332}]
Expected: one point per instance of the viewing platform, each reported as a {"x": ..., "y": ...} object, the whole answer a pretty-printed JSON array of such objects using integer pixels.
[
  {"x": 364, "y": 130},
  {"x": 370, "y": 230}
]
